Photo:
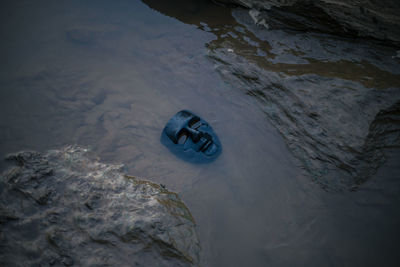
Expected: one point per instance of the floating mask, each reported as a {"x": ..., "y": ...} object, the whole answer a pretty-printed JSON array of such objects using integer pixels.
[{"x": 191, "y": 138}]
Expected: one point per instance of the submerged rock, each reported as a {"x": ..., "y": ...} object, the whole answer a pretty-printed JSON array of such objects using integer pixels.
[
  {"x": 61, "y": 209},
  {"x": 378, "y": 19},
  {"x": 90, "y": 35}
]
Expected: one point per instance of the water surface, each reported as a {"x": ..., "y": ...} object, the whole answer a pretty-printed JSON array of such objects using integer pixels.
[{"x": 109, "y": 75}]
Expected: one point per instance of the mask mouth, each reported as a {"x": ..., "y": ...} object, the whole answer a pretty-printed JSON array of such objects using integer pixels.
[{"x": 192, "y": 134}]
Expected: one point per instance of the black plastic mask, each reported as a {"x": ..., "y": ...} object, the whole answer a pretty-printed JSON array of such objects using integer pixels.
[{"x": 191, "y": 138}]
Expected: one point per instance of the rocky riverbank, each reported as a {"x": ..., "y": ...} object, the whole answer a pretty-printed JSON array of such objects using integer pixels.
[
  {"x": 367, "y": 18},
  {"x": 62, "y": 208},
  {"x": 334, "y": 100}
]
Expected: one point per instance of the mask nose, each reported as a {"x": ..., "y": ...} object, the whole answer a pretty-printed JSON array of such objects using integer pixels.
[
  {"x": 203, "y": 141},
  {"x": 196, "y": 135}
]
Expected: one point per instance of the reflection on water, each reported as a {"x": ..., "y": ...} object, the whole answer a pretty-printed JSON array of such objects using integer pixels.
[{"x": 109, "y": 75}]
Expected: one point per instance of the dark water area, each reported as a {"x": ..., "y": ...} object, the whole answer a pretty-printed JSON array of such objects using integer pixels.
[{"x": 108, "y": 75}]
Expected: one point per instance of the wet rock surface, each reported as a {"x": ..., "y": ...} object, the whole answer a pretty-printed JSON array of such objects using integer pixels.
[
  {"x": 61, "y": 208},
  {"x": 336, "y": 106},
  {"x": 377, "y": 19}
]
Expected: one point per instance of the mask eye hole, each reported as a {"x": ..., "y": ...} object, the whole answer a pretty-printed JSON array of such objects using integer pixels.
[
  {"x": 182, "y": 138},
  {"x": 195, "y": 123}
]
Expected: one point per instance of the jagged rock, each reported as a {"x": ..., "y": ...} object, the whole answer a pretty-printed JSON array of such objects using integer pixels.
[
  {"x": 62, "y": 209},
  {"x": 377, "y": 19},
  {"x": 336, "y": 108}
]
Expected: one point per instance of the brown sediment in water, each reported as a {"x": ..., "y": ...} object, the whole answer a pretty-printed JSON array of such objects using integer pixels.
[
  {"x": 367, "y": 74},
  {"x": 232, "y": 34}
]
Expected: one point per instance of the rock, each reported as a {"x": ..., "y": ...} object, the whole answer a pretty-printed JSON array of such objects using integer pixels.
[
  {"x": 335, "y": 101},
  {"x": 62, "y": 209},
  {"x": 367, "y": 18}
]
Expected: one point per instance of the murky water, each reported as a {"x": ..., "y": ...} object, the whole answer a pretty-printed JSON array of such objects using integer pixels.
[{"x": 109, "y": 75}]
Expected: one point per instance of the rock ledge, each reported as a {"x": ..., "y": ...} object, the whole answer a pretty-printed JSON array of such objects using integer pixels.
[
  {"x": 366, "y": 18},
  {"x": 62, "y": 209}
]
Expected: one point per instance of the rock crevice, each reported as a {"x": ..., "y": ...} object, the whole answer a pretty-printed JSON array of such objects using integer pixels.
[{"x": 62, "y": 208}]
